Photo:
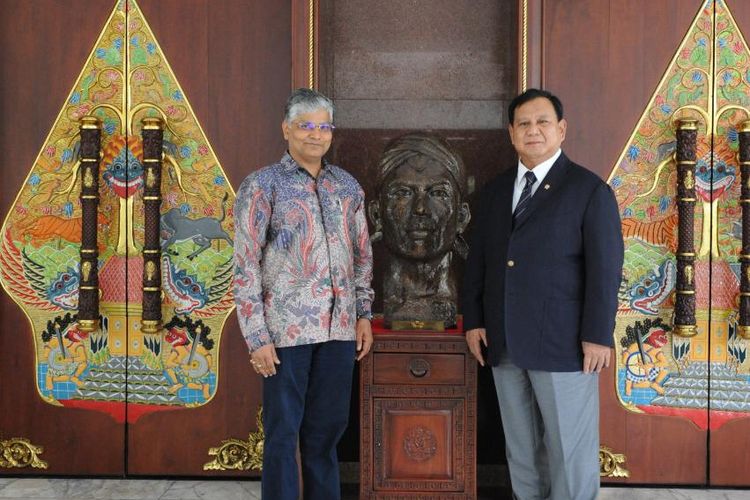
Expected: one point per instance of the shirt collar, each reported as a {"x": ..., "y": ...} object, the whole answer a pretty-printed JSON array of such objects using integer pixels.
[
  {"x": 290, "y": 165},
  {"x": 540, "y": 171}
]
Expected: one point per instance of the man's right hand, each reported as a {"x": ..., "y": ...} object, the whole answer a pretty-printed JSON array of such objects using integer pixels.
[
  {"x": 264, "y": 360},
  {"x": 473, "y": 338}
]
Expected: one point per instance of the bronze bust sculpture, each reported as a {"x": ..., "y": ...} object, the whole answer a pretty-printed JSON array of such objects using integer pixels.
[{"x": 420, "y": 214}]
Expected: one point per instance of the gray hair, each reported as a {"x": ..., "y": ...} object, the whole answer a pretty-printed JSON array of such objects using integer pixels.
[{"x": 306, "y": 101}]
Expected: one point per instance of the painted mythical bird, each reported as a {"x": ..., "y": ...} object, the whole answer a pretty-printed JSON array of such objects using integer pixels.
[
  {"x": 192, "y": 296},
  {"x": 653, "y": 288},
  {"x": 26, "y": 279}
]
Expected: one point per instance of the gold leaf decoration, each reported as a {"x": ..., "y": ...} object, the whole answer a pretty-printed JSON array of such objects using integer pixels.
[
  {"x": 19, "y": 453},
  {"x": 612, "y": 464},
  {"x": 235, "y": 454}
]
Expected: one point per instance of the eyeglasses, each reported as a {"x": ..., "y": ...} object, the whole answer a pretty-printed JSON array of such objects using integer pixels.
[{"x": 325, "y": 128}]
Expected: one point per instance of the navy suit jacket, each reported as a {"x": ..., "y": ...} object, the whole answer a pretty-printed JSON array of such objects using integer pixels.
[{"x": 549, "y": 281}]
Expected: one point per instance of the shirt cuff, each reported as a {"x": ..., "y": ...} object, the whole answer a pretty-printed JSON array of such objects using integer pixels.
[
  {"x": 257, "y": 339},
  {"x": 364, "y": 309}
]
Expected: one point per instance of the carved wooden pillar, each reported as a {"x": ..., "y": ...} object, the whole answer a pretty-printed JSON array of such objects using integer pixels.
[
  {"x": 744, "y": 323},
  {"x": 88, "y": 292},
  {"x": 153, "y": 137},
  {"x": 684, "y": 310}
]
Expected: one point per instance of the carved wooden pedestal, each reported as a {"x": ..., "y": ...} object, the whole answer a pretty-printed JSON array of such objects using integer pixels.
[{"x": 418, "y": 417}]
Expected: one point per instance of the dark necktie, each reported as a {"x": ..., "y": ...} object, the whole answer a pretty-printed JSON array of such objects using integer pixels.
[{"x": 525, "y": 199}]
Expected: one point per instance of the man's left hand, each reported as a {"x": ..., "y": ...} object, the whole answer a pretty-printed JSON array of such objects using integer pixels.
[
  {"x": 364, "y": 337},
  {"x": 595, "y": 357}
]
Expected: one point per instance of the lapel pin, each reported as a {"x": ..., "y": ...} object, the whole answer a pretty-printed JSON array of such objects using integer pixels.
[{"x": 546, "y": 186}]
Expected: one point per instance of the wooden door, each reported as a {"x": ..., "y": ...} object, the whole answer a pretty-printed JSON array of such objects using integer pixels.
[
  {"x": 626, "y": 71},
  {"x": 182, "y": 401},
  {"x": 232, "y": 61},
  {"x": 37, "y": 76}
]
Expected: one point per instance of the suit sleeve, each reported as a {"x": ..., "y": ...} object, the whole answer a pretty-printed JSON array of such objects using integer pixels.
[
  {"x": 603, "y": 254},
  {"x": 472, "y": 298}
]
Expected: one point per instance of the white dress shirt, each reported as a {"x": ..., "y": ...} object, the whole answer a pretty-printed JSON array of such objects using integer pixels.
[{"x": 540, "y": 171}]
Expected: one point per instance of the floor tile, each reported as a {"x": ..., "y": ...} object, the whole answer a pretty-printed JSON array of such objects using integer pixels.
[
  {"x": 152, "y": 489},
  {"x": 213, "y": 490},
  {"x": 672, "y": 494}
]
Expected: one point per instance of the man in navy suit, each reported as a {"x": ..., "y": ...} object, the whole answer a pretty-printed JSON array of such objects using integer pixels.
[{"x": 540, "y": 292}]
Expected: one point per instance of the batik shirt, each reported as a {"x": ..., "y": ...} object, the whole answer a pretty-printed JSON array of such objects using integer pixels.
[{"x": 302, "y": 255}]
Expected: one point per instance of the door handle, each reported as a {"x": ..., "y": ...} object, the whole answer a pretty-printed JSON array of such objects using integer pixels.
[
  {"x": 152, "y": 132},
  {"x": 684, "y": 309},
  {"x": 419, "y": 367},
  {"x": 744, "y": 157},
  {"x": 90, "y": 129}
]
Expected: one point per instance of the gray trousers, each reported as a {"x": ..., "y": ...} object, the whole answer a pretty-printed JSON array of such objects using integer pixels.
[{"x": 551, "y": 426}]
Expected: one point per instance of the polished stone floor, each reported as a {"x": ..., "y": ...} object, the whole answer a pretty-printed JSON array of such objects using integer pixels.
[{"x": 149, "y": 489}]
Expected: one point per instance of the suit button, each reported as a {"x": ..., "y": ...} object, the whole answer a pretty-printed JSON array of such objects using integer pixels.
[{"x": 511, "y": 263}]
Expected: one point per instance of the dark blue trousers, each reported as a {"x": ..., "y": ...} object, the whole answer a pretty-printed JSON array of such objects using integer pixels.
[{"x": 307, "y": 399}]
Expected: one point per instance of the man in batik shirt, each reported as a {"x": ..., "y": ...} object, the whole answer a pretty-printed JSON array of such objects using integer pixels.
[{"x": 303, "y": 272}]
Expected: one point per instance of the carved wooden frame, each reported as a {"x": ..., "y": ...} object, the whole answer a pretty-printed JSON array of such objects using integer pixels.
[
  {"x": 530, "y": 44},
  {"x": 305, "y": 43},
  {"x": 383, "y": 407}
]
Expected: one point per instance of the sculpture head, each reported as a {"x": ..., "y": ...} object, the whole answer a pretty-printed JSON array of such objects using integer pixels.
[{"x": 419, "y": 204}]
